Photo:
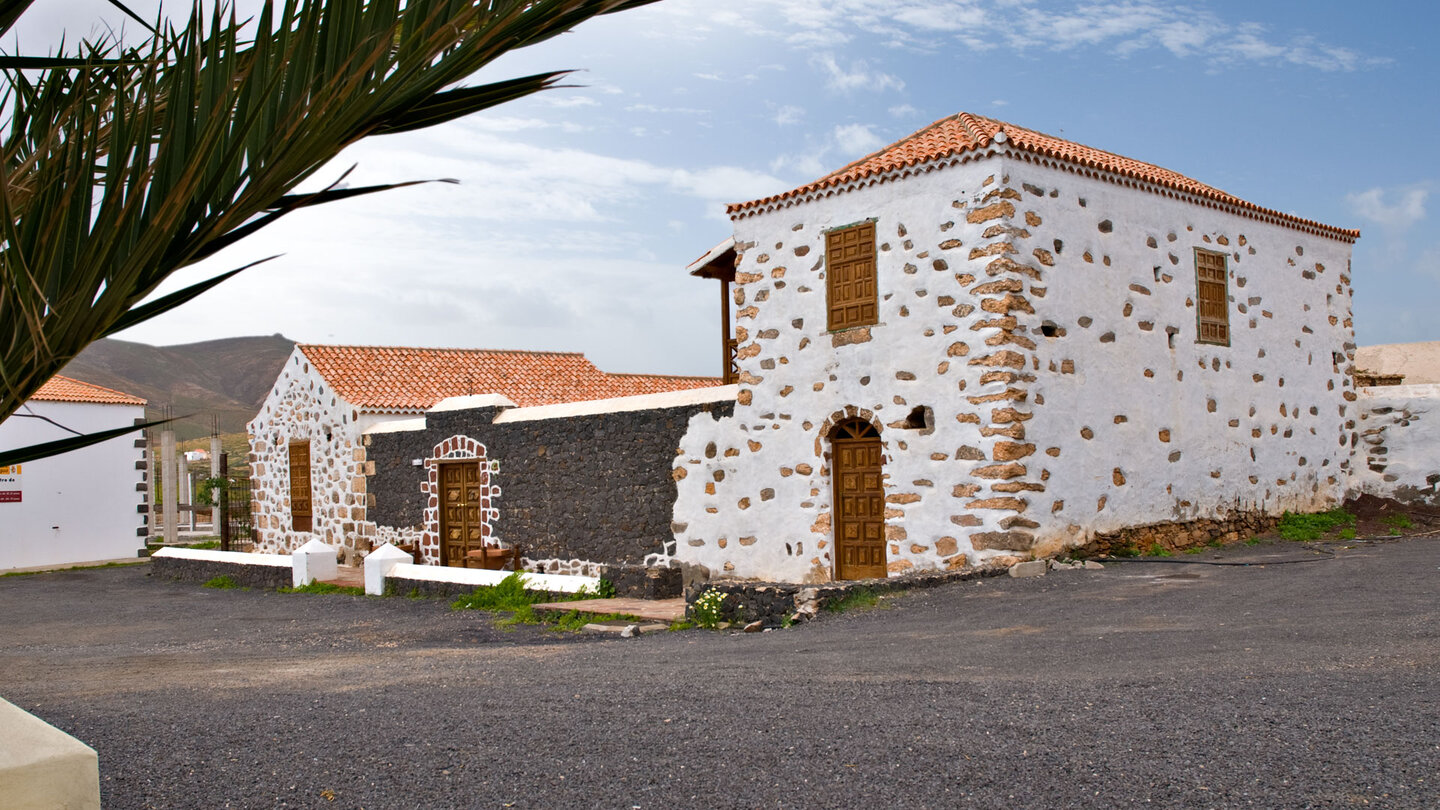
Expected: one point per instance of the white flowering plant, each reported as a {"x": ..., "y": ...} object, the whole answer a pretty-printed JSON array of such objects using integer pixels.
[{"x": 705, "y": 610}]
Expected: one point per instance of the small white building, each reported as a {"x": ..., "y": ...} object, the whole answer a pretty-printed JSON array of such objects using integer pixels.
[
  {"x": 983, "y": 341},
  {"x": 83, "y": 506},
  {"x": 307, "y": 461}
]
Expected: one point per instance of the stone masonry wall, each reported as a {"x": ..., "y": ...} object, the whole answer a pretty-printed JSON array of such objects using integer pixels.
[
  {"x": 1034, "y": 374},
  {"x": 1399, "y": 438},
  {"x": 575, "y": 492},
  {"x": 943, "y": 375},
  {"x": 301, "y": 407}
]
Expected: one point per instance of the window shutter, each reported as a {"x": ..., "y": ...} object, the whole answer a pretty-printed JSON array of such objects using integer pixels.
[
  {"x": 850, "y": 276},
  {"x": 1212, "y": 311}
]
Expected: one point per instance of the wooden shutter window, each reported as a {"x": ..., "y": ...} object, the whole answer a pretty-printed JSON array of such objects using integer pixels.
[
  {"x": 1212, "y": 293},
  {"x": 300, "y": 510},
  {"x": 850, "y": 276}
]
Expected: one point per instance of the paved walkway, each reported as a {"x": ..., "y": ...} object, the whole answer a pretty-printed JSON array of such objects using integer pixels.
[{"x": 660, "y": 610}]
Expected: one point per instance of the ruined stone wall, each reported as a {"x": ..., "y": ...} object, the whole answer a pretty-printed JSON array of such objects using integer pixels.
[
  {"x": 1398, "y": 455},
  {"x": 755, "y": 493},
  {"x": 1043, "y": 322},
  {"x": 1138, "y": 423},
  {"x": 301, "y": 406},
  {"x": 576, "y": 492}
]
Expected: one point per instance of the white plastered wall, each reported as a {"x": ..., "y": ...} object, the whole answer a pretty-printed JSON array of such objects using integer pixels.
[
  {"x": 963, "y": 295},
  {"x": 1138, "y": 423},
  {"x": 81, "y": 506}
]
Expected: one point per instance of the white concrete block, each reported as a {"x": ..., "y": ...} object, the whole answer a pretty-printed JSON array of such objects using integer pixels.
[
  {"x": 42, "y": 767},
  {"x": 314, "y": 561},
  {"x": 378, "y": 565}
]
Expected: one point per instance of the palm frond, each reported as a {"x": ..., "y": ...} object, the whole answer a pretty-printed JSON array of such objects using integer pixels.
[{"x": 114, "y": 177}]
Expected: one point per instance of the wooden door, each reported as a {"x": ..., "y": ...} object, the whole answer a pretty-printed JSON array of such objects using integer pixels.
[
  {"x": 859, "y": 501},
  {"x": 462, "y": 511},
  {"x": 301, "y": 510}
]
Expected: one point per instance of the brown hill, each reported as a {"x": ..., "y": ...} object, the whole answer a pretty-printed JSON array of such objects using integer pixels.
[{"x": 227, "y": 378}]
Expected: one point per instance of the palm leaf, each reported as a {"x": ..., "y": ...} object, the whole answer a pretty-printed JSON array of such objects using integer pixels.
[
  {"x": 113, "y": 178},
  {"x": 23, "y": 454}
]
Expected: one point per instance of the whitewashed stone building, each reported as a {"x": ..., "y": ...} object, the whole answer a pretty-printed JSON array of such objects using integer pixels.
[
  {"x": 307, "y": 460},
  {"x": 983, "y": 341}
]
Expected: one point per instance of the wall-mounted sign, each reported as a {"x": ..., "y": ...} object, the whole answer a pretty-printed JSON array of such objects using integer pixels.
[{"x": 10, "y": 484}]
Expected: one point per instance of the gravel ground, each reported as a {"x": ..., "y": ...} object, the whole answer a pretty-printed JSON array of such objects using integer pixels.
[{"x": 1311, "y": 685}]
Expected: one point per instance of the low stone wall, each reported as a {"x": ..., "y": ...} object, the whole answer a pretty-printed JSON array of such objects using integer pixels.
[
  {"x": 1180, "y": 534},
  {"x": 246, "y": 576},
  {"x": 776, "y": 602},
  {"x": 1398, "y": 455}
]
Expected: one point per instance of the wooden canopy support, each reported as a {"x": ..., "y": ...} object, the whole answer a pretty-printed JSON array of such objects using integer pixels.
[{"x": 719, "y": 263}]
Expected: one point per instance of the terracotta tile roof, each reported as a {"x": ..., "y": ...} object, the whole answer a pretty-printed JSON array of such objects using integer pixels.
[
  {"x": 961, "y": 133},
  {"x": 392, "y": 378},
  {"x": 67, "y": 389}
]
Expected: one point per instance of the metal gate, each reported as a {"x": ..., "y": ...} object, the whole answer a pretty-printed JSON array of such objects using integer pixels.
[{"x": 236, "y": 531}]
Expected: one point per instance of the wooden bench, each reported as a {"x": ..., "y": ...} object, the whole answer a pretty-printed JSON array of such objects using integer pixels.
[{"x": 494, "y": 558}]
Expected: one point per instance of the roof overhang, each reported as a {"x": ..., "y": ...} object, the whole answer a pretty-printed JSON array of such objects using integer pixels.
[{"x": 718, "y": 262}]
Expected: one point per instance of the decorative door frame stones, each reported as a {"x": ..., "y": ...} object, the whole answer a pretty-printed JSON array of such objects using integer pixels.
[{"x": 456, "y": 448}]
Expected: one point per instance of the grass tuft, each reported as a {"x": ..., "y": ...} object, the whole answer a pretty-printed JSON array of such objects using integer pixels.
[
  {"x": 1310, "y": 527},
  {"x": 858, "y": 599},
  {"x": 222, "y": 582},
  {"x": 325, "y": 587}
]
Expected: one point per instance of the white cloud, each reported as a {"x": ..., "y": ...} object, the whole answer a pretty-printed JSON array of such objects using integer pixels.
[
  {"x": 1396, "y": 209},
  {"x": 1119, "y": 27},
  {"x": 902, "y": 111},
  {"x": 857, "y": 139},
  {"x": 789, "y": 114},
  {"x": 858, "y": 76}
]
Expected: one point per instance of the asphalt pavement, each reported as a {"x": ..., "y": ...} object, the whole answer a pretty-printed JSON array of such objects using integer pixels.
[{"x": 1144, "y": 684}]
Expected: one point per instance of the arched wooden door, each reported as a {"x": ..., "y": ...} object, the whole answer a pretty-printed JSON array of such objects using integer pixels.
[
  {"x": 462, "y": 511},
  {"x": 859, "y": 501}
]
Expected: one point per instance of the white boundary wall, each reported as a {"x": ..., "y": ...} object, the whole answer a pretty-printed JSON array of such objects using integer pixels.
[{"x": 1398, "y": 455}]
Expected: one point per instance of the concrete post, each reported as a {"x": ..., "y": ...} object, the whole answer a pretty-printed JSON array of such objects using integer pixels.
[
  {"x": 151, "y": 448},
  {"x": 378, "y": 565},
  {"x": 313, "y": 561},
  {"x": 187, "y": 489},
  {"x": 168, "y": 489},
  {"x": 215, "y": 452}
]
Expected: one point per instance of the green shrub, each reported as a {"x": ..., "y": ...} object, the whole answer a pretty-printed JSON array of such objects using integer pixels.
[
  {"x": 1310, "y": 527},
  {"x": 1157, "y": 550},
  {"x": 222, "y": 582},
  {"x": 509, "y": 593}
]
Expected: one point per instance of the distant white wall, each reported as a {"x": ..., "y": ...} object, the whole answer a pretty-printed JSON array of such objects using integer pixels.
[
  {"x": 1398, "y": 455},
  {"x": 76, "y": 507}
]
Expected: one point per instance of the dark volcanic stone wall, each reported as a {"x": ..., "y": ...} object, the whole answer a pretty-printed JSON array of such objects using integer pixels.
[{"x": 594, "y": 487}]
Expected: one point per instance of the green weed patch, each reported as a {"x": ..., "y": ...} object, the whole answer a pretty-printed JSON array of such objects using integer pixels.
[{"x": 1310, "y": 527}]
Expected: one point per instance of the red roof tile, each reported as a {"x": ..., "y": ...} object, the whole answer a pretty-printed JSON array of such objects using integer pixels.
[
  {"x": 67, "y": 389},
  {"x": 964, "y": 132},
  {"x": 402, "y": 378}
]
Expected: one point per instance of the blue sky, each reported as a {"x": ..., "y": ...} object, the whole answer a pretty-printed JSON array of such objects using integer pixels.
[{"x": 579, "y": 208}]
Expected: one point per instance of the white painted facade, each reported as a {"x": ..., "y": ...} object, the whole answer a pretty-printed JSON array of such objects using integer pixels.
[
  {"x": 302, "y": 407},
  {"x": 1032, "y": 443},
  {"x": 1399, "y": 435},
  {"x": 82, "y": 506}
]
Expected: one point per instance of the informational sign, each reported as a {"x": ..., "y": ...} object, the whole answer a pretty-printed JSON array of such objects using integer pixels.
[{"x": 10, "y": 484}]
